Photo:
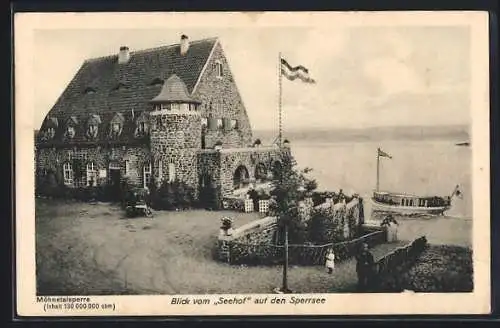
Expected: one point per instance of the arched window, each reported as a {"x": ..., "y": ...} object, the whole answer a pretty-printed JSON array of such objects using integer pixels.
[
  {"x": 68, "y": 174},
  {"x": 147, "y": 174},
  {"x": 92, "y": 174},
  {"x": 171, "y": 172}
]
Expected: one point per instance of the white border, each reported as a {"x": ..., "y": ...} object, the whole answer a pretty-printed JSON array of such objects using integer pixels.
[{"x": 345, "y": 304}]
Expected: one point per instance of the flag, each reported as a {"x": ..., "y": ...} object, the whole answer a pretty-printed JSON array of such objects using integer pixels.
[
  {"x": 457, "y": 192},
  {"x": 297, "y": 72},
  {"x": 382, "y": 153}
]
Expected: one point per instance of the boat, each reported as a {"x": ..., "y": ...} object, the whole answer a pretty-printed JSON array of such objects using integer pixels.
[
  {"x": 409, "y": 204},
  {"x": 463, "y": 144}
]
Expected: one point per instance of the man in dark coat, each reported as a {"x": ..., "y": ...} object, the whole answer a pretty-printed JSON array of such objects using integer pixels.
[{"x": 364, "y": 268}]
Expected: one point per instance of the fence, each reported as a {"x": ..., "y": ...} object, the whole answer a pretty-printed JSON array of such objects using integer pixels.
[
  {"x": 237, "y": 252},
  {"x": 390, "y": 267}
]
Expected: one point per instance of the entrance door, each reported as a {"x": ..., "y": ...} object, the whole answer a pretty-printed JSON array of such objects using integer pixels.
[{"x": 114, "y": 182}]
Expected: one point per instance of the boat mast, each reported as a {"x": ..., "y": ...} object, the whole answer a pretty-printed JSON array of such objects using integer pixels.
[{"x": 378, "y": 168}]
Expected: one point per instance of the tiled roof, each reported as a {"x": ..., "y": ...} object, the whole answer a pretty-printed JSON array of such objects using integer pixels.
[
  {"x": 173, "y": 90},
  {"x": 104, "y": 87}
]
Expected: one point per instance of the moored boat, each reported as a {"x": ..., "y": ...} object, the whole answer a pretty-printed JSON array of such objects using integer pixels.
[{"x": 408, "y": 204}]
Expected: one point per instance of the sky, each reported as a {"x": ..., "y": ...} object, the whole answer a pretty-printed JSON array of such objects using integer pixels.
[{"x": 366, "y": 76}]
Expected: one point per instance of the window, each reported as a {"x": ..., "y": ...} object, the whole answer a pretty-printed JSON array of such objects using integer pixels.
[
  {"x": 116, "y": 127},
  {"x": 142, "y": 127},
  {"x": 68, "y": 174},
  {"x": 92, "y": 132},
  {"x": 171, "y": 172},
  {"x": 192, "y": 107},
  {"x": 204, "y": 121},
  {"x": 147, "y": 174},
  {"x": 219, "y": 123},
  {"x": 218, "y": 69},
  {"x": 92, "y": 174},
  {"x": 127, "y": 167},
  {"x": 160, "y": 170},
  {"x": 234, "y": 124},
  {"x": 176, "y": 107},
  {"x": 70, "y": 132}
]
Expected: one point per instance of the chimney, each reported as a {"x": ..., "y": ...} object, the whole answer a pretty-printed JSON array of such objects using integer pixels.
[
  {"x": 124, "y": 55},
  {"x": 184, "y": 44}
]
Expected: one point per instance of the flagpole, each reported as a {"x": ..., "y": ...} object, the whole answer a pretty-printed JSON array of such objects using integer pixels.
[
  {"x": 280, "y": 127},
  {"x": 378, "y": 167}
]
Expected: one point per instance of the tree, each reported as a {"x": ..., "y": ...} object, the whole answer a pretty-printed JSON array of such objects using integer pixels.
[{"x": 288, "y": 189}]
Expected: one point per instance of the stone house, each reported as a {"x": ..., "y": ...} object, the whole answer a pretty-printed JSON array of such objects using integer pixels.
[{"x": 172, "y": 113}]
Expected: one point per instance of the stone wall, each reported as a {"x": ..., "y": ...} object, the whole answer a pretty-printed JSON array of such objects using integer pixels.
[
  {"x": 258, "y": 232},
  {"x": 254, "y": 243},
  {"x": 54, "y": 158},
  {"x": 231, "y": 159},
  {"x": 220, "y": 98},
  {"x": 175, "y": 140}
]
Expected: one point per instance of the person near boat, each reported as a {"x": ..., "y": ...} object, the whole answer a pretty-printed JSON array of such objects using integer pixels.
[
  {"x": 391, "y": 226},
  {"x": 330, "y": 261}
]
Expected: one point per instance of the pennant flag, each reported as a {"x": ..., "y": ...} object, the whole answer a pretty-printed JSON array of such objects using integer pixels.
[
  {"x": 297, "y": 72},
  {"x": 383, "y": 154},
  {"x": 457, "y": 192}
]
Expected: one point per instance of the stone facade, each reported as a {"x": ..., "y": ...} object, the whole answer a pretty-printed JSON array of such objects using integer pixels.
[
  {"x": 53, "y": 159},
  {"x": 222, "y": 164},
  {"x": 221, "y": 99},
  {"x": 174, "y": 131}
]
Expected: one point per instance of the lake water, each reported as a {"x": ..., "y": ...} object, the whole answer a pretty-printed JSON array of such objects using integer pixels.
[{"x": 430, "y": 167}]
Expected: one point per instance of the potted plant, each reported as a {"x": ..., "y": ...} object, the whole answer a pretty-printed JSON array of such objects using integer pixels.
[{"x": 226, "y": 226}]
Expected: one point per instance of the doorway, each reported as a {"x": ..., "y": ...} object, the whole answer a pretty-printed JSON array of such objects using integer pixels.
[{"x": 114, "y": 181}]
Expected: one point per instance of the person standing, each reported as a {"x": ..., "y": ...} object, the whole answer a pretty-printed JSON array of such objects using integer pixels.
[
  {"x": 364, "y": 268},
  {"x": 330, "y": 261}
]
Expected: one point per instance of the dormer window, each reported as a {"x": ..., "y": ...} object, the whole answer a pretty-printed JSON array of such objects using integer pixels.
[
  {"x": 50, "y": 125},
  {"x": 89, "y": 90},
  {"x": 218, "y": 69},
  {"x": 157, "y": 81},
  {"x": 70, "y": 132},
  {"x": 93, "y": 126},
  {"x": 142, "y": 127},
  {"x": 120, "y": 86},
  {"x": 116, "y": 125},
  {"x": 71, "y": 127},
  {"x": 51, "y": 132}
]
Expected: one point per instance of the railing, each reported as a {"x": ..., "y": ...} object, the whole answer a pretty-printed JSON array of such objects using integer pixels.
[{"x": 237, "y": 252}]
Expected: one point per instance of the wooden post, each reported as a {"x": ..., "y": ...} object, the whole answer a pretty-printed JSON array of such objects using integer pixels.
[{"x": 284, "y": 288}]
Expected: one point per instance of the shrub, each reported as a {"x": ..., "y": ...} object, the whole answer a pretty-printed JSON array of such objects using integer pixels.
[{"x": 172, "y": 195}]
